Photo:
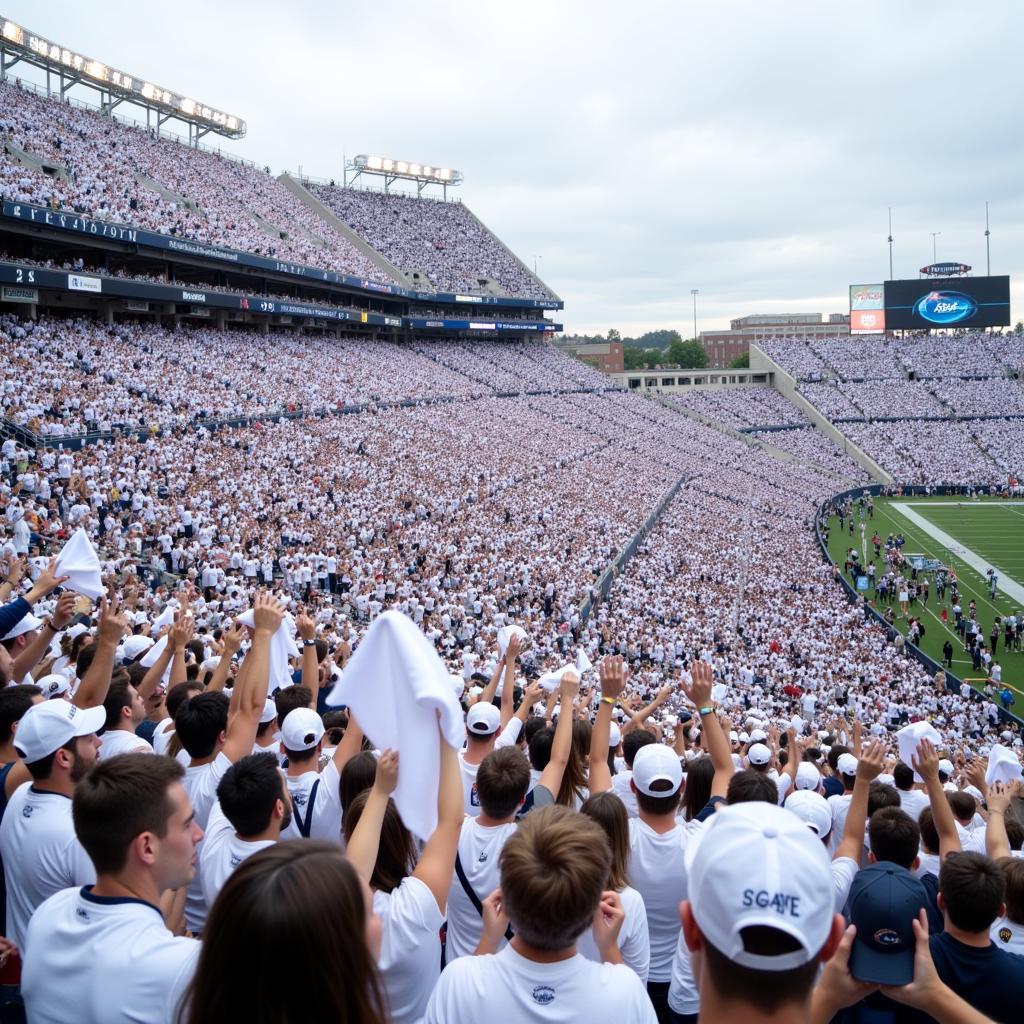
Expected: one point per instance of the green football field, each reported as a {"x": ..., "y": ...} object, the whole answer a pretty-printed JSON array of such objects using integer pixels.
[{"x": 976, "y": 535}]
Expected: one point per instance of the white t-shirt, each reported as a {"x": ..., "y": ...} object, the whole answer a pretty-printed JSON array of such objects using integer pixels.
[
  {"x": 839, "y": 806},
  {"x": 479, "y": 850},
  {"x": 657, "y": 872},
  {"x": 507, "y": 987},
  {"x": 222, "y": 852},
  {"x": 121, "y": 741},
  {"x": 843, "y": 870},
  {"x": 1008, "y": 935},
  {"x": 634, "y": 938},
  {"x": 201, "y": 783},
  {"x": 325, "y": 822},
  {"x": 41, "y": 855},
  {"x": 410, "y": 955},
  {"x": 162, "y": 735},
  {"x": 621, "y": 788},
  {"x": 99, "y": 960},
  {"x": 913, "y": 801},
  {"x": 470, "y": 801}
]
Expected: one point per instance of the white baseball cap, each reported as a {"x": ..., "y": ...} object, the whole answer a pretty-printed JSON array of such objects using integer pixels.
[
  {"x": 483, "y": 719},
  {"x": 614, "y": 735},
  {"x": 27, "y": 622},
  {"x": 807, "y": 776},
  {"x": 46, "y": 727},
  {"x": 946, "y": 766},
  {"x": 656, "y": 763},
  {"x": 269, "y": 712},
  {"x": 847, "y": 764},
  {"x": 812, "y": 809},
  {"x": 758, "y": 735},
  {"x": 302, "y": 729},
  {"x": 758, "y": 865},
  {"x": 758, "y": 754},
  {"x": 132, "y": 646},
  {"x": 54, "y": 685}
]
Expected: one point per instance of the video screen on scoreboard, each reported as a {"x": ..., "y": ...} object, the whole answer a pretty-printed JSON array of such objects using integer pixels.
[
  {"x": 941, "y": 302},
  {"x": 867, "y": 308}
]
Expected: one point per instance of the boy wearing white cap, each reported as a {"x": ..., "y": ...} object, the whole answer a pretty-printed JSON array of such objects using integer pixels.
[{"x": 41, "y": 854}]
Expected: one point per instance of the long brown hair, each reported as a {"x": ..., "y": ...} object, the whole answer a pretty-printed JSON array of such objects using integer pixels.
[
  {"x": 574, "y": 780},
  {"x": 302, "y": 896},
  {"x": 610, "y": 813},
  {"x": 396, "y": 855}
]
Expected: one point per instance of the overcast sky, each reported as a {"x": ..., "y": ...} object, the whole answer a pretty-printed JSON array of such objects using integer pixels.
[{"x": 749, "y": 150}]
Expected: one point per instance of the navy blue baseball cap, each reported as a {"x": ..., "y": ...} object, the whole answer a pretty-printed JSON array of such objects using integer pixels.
[{"x": 884, "y": 902}]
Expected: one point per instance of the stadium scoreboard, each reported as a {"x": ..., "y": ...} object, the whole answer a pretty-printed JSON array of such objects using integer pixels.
[{"x": 930, "y": 304}]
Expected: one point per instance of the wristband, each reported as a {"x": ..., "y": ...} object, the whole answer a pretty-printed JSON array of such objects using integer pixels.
[
  {"x": 48, "y": 624},
  {"x": 706, "y": 711},
  {"x": 607, "y": 700},
  {"x": 309, "y": 643}
]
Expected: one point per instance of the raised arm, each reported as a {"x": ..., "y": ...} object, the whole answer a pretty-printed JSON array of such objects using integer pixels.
[
  {"x": 869, "y": 767},
  {"x": 437, "y": 862},
  {"x": 637, "y": 720},
  {"x": 698, "y": 691},
  {"x": 113, "y": 625},
  {"x": 231, "y": 640},
  {"x": 33, "y": 652},
  {"x": 532, "y": 695},
  {"x": 492, "y": 687},
  {"x": 310, "y": 666},
  {"x": 181, "y": 633},
  {"x": 612, "y": 676},
  {"x": 241, "y": 731},
  {"x": 350, "y": 745},
  {"x": 508, "y": 689},
  {"x": 561, "y": 745},
  {"x": 925, "y": 761},
  {"x": 363, "y": 847}
]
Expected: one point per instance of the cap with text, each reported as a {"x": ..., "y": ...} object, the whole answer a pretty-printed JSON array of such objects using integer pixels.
[{"x": 46, "y": 727}]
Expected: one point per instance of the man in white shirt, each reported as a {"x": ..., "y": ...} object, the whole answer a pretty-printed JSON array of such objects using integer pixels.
[
  {"x": 553, "y": 872},
  {"x": 216, "y": 733},
  {"x": 912, "y": 800},
  {"x": 124, "y": 709},
  {"x": 252, "y": 810},
  {"x": 846, "y": 772},
  {"x": 57, "y": 743},
  {"x": 501, "y": 784},
  {"x": 134, "y": 818}
]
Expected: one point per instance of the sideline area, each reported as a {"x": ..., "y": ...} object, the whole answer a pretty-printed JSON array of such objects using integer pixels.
[{"x": 1010, "y": 587}]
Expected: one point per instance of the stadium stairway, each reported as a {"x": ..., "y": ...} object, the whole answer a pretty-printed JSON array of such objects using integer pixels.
[
  {"x": 164, "y": 192},
  {"x": 50, "y": 168},
  {"x": 325, "y": 214}
]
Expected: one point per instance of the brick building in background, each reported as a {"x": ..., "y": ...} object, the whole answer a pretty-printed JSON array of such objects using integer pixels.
[
  {"x": 723, "y": 347},
  {"x": 606, "y": 356}
]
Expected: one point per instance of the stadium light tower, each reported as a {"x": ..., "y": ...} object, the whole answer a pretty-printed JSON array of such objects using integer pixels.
[
  {"x": 535, "y": 258},
  {"x": 935, "y": 234},
  {"x": 694, "y": 292}
]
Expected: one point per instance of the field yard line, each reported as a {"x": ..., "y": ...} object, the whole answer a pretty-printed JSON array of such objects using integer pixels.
[
  {"x": 958, "y": 504},
  {"x": 1009, "y": 587}
]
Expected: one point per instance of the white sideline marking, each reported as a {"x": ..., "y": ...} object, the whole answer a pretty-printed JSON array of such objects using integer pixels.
[{"x": 1009, "y": 587}]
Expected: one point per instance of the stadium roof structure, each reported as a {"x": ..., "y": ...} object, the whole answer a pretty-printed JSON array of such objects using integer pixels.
[
  {"x": 391, "y": 170},
  {"x": 19, "y": 44}
]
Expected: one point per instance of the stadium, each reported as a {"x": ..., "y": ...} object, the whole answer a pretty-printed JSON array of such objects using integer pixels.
[{"x": 224, "y": 383}]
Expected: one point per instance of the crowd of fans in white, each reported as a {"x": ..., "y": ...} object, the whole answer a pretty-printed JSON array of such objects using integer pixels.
[
  {"x": 103, "y": 169},
  {"x": 465, "y": 517},
  {"x": 440, "y": 239}
]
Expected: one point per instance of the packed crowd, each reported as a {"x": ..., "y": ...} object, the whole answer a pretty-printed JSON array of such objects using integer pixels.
[
  {"x": 132, "y": 376},
  {"x": 741, "y": 407},
  {"x": 811, "y": 446},
  {"x": 439, "y": 239},
  {"x": 553, "y": 786}
]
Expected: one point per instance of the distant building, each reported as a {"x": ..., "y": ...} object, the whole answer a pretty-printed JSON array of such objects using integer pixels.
[
  {"x": 723, "y": 347},
  {"x": 606, "y": 356}
]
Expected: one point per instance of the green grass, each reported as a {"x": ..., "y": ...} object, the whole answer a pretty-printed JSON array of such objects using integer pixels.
[{"x": 993, "y": 530}]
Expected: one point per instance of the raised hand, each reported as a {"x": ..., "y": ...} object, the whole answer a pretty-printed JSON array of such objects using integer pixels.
[
  {"x": 608, "y": 922},
  {"x": 305, "y": 625},
  {"x": 698, "y": 690},
  {"x": 613, "y": 675},
  {"x": 569, "y": 688},
  {"x": 386, "y": 778},
  {"x": 48, "y": 580},
  {"x": 268, "y": 613},
  {"x": 65, "y": 610},
  {"x": 232, "y": 639},
  {"x": 113, "y": 623},
  {"x": 999, "y": 796},
  {"x": 495, "y": 920},
  {"x": 871, "y": 761},
  {"x": 925, "y": 761}
]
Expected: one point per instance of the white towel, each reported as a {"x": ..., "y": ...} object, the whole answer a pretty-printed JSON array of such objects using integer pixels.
[
  {"x": 394, "y": 684},
  {"x": 1003, "y": 766},
  {"x": 80, "y": 563},
  {"x": 909, "y": 738},
  {"x": 282, "y": 647}
]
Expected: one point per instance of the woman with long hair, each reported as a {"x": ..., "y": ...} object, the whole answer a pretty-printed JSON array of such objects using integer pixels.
[
  {"x": 409, "y": 894},
  {"x": 305, "y": 897},
  {"x": 573, "y": 790},
  {"x": 608, "y": 811}
]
